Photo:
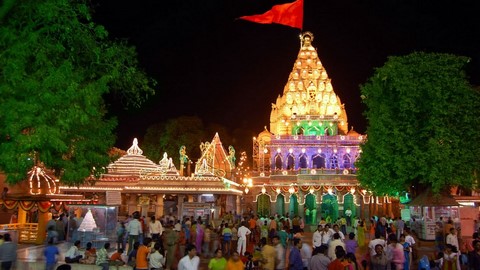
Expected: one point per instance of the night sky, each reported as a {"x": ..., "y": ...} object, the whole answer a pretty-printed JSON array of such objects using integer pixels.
[{"x": 229, "y": 71}]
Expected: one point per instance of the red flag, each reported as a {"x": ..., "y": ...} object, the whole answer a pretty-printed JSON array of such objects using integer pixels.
[{"x": 290, "y": 14}]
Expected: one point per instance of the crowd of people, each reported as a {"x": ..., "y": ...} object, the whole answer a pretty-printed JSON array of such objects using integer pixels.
[{"x": 269, "y": 243}]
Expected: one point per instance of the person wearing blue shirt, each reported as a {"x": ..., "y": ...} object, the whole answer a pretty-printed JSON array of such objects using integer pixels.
[
  {"x": 50, "y": 253},
  {"x": 295, "y": 257}
]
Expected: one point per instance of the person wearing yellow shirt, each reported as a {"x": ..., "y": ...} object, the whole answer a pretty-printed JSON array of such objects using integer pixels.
[
  {"x": 234, "y": 263},
  {"x": 218, "y": 262}
]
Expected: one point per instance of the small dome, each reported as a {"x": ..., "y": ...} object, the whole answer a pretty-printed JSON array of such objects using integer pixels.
[
  {"x": 265, "y": 135},
  {"x": 352, "y": 132}
]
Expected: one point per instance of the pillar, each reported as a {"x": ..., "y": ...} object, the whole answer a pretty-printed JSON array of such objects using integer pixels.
[
  {"x": 238, "y": 205},
  {"x": 159, "y": 206},
  {"x": 180, "y": 199},
  {"x": 43, "y": 219},
  {"x": 21, "y": 216},
  {"x": 190, "y": 198},
  {"x": 132, "y": 204}
]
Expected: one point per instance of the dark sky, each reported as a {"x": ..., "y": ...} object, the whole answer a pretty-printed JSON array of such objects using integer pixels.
[{"x": 229, "y": 71}]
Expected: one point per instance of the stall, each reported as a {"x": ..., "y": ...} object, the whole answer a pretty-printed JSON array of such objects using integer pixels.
[{"x": 427, "y": 208}]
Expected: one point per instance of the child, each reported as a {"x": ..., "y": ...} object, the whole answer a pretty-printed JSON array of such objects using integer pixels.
[{"x": 51, "y": 252}]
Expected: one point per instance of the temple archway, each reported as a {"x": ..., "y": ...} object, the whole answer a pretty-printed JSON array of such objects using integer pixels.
[
  {"x": 347, "y": 161},
  {"x": 329, "y": 207},
  {"x": 318, "y": 161},
  {"x": 310, "y": 209},
  {"x": 280, "y": 204},
  {"x": 263, "y": 205},
  {"x": 278, "y": 162},
  {"x": 302, "y": 161},
  {"x": 293, "y": 207},
  {"x": 290, "y": 162}
]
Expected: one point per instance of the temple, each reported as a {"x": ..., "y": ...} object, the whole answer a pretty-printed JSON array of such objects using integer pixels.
[
  {"x": 306, "y": 162},
  {"x": 135, "y": 183}
]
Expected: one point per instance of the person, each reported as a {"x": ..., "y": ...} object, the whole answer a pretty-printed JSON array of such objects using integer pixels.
[
  {"x": 377, "y": 241},
  {"x": 90, "y": 255},
  {"x": 280, "y": 253},
  {"x": 73, "y": 254},
  {"x": 451, "y": 257},
  {"x": 474, "y": 256},
  {"x": 234, "y": 263},
  {"x": 218, "y": 262},
  {"x": 206, "y": 240},
  {"x": 190, "y": 261},
  {"x": 340, "y": 263},
  {"x": 155, "y": 228},
  {"x": 142, "y": 254},
  {"x": 102, "y": 257},
  {"x": 452, "y": 238},
  {"x": 306, "y": 253},
  {"x": 406, "y": 252},
  {"x": 132, "y": 255},
  {"x": 269, "y": 255},
  {"x": 52, "y": 234},
  {"x": 395, "y": 253},
  {"x": 320, "y": 260},
  {"x": 171, "y": 240},
  {"x": 361, "y": 229},
  {"x": 121, "y": 235},
  {"x": 351, "y": 244},
  {"x": 157, "y": 258},
  {"x": 379, "y": 260},
  {"x": 51, "y": 252},
  {"x": 227, "y": 239},
  {"x": 295, "y": 258},
  {"x": 242, "y": 239},
  {"x": 116, "y": 258},
  {"x": 333, "y": 245},
  {"x": 134, "y": 230},
  {"x": 317, "y": 237}
]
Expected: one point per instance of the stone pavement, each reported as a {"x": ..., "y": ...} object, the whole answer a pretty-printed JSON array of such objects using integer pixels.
[{"x": 33, "y": 253}]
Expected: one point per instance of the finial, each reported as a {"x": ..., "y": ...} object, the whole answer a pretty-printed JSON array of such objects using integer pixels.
[
  {"x": 134, "y": 149},
  {"x": 306, "y": 39}
]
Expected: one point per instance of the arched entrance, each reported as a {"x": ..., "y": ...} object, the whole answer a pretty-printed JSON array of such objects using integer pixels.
[
  {"x": 348, "y": 204},
  {"x": 280, "y": 204},
  {"x": 263, "y": 205},
  {"x": 329, "y": 207},
  {"x": 310, "y": 209},
  {"x": 278, "y": 162},
  {"x": 293, "y": 208}
]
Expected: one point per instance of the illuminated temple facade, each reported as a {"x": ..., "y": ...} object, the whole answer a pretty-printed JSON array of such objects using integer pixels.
[
  {"x": 135, "y": 183},
  {"x": 305, "y": 163}
]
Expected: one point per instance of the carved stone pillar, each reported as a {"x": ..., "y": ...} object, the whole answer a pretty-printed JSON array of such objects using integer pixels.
[
  {"x": 238, "y": 205},
  {"x": 181, "y": 198},
  {"x": 159, "y": 206}
]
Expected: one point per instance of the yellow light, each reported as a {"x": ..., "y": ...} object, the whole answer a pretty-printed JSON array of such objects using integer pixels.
[
  {"x": 246, "y": 190},
  {"x": 330, "y": 191},
  {"x": 312, "y": 191},
  {"x": 264, "y": 190},
  {"x": 278, "y": 190},
  {"x": 291, "y": 190}
]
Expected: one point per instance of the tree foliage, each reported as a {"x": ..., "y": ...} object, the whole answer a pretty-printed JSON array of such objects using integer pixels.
[
  {"x": 185, "y": 130},
  {"x": 423, "y": 124},
  {"x": 56, "y": 68}
]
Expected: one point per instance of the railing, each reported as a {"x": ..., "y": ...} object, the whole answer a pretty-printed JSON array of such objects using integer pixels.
[{"x": 27, "y": 232}]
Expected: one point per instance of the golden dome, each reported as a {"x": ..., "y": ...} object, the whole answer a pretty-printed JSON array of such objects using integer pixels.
[{"x": 308, "y": 94}]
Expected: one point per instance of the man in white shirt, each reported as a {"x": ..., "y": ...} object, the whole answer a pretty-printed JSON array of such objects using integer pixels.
[
  {"x": 156, "y": 229},
  {"x": 156, "y": 259},
  {"x": 317, "y": 237},
  {"x": 336, "y": 229},
  {"x": 326, "y": 235},
  {"x": 73, "y": 254},
  {"x": 134, "y": 229},
  {"x": 452, "y": 238},
  {"x": 242, "y": 233},
  {"x": 191, "y": 261}
]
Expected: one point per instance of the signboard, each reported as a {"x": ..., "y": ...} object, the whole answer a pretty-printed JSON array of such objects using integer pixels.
[
  {"x": 114, "y": 198},
  {"x": 405, "y": 213}
]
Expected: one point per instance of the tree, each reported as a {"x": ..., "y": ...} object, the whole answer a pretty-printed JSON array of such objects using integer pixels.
[
  {"x": 423, "y": 125},
  {"x": 57, "y": 67}
]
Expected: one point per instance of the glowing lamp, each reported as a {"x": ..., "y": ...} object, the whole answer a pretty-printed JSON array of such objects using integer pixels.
[
  {"x": 264, "y": 190},
  {"x": 278, "y": 190},
  {"x": 352, "y": 190},
  {"x": 330, "y": 191},
  {"x": 246, "y": 190},
  {"x": 312, "y": 190},
  {"x": 291, "y": 190}
]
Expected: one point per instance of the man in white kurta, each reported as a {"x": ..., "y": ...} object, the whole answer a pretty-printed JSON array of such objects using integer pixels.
[{"x": 242, "y": 239}]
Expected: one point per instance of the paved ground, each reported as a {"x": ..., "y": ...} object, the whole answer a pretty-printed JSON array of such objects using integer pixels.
[{"x": 35, "y": 252}]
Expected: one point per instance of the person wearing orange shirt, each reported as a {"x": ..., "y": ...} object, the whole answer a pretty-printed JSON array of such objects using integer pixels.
[
  {"x": 116, "y": 258},
  {"x": 234, "y": 263},
  {"x": 142, "y": 254}
]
